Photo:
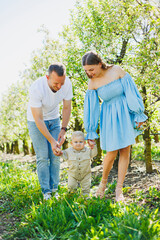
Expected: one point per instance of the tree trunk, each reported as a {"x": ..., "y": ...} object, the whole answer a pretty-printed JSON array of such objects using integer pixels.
[
  {"x": 8, "y": 150},
  {"x": 99, "y": 155},
  {"x": 16, "y": 147},
  {"x": 147, "y": 138},
  {"x": 137, "y": 139},
  {"x": 65, "y": 145},
  {"x": 25, "y": 147},
  {"x": 2, "y": 147},
  {"x": 32, "y": 150},
  {"x": 156, "y": 138},
  {"x": 97, "y": 160},
  {"x": 78, "y": 125},
  {"x": 130, "y": 158},
  {"x": 147, "y": 150},
  {"x": 12, "y": 147}
]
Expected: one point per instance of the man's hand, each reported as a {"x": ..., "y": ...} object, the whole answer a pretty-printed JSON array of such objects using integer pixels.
[
  {"x": 38, "y": 116},
  {"x": 91, "y": 143},
  {"x": 56, "y": 148},
  {"x": 61, "y": 137}
]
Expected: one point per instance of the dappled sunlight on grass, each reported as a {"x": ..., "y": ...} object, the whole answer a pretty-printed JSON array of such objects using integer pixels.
[
  {"x": 138, "y": 151},
  {"x": 73, "y": 216}
]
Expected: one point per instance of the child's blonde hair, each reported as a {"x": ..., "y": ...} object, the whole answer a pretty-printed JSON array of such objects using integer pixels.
[{"x": 77, "y": 134}]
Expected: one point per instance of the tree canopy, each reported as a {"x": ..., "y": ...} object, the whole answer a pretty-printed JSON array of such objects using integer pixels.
[{"x": 126, "y": 33}]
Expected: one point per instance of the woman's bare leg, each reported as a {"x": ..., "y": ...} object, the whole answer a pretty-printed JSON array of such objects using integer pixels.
[
  {"x": 107, "y": 165},
  {"x": 122, "y": 170}
]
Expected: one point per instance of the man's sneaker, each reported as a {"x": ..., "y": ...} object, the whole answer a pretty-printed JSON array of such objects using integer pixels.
[
  {"x": 54, "y": 190},
  {"x": 47, "y": 196},
  {"x": 56, "y": 195}
]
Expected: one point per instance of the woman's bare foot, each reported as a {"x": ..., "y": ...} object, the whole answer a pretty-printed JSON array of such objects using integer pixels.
[
  {"x": 119, "y": 193},
  {"x": 101, "y": 189}
]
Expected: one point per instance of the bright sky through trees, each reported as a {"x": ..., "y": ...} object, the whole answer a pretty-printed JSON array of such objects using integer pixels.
[{"x": 19, "y": 22}]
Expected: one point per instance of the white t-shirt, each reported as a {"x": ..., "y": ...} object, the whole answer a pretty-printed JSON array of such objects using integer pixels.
[{"x": 40, "y": 95}]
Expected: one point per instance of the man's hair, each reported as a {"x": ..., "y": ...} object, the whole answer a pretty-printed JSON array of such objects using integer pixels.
[
  {"x": 77, "y": 134},
  {"x": 59, "y": 68}
]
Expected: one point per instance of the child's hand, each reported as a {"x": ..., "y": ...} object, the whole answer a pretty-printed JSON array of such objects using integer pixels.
[
  {"x": 61, "y": 153},
  {"x": 58, "y": 152},
  {"x": 91, "y": 143}
]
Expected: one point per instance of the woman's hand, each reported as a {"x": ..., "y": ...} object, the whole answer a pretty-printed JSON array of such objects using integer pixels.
[
  {"x": 139, "y": 124},
  {"x": 91, "y": 143}
]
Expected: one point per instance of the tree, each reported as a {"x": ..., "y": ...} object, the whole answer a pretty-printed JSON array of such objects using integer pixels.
[
  {"x": 125, "y": 33},
  {"x": 14, "y": 103}
]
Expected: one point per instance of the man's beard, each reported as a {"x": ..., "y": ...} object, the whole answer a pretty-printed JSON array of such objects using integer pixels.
[{"x": 53, "y": 90}]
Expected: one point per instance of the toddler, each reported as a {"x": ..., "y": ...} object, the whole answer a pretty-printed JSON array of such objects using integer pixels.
[{"x": 79, "y": 163}]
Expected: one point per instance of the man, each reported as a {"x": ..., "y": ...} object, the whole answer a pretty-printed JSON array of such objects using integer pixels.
[{"x": 45, "y": 94}]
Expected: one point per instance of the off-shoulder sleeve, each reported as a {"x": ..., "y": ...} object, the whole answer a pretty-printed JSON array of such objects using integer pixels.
[
  {"x": 134, "y": 99},
  {"x": 91, "y": 114}
]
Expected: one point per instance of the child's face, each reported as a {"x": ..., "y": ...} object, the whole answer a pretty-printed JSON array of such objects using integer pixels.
[{"x": 78, "y": 143}]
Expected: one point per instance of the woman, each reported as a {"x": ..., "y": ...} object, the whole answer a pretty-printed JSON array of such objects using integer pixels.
[{"x": 120, "y": 118}]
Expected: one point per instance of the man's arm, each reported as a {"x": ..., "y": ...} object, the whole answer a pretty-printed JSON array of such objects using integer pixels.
[
  {"x": 38, "y": 117},
  {"x": 66, "y": 112}
]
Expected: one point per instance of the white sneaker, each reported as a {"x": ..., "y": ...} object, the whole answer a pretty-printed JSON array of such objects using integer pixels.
[
  {"x": 47, "y": 196},
  {"x": 56, "y": 195}
]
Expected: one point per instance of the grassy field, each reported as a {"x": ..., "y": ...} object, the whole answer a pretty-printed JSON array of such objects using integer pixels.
[
  {"x": 26, "y": 216},
  {"x": 138, "y": 151}
]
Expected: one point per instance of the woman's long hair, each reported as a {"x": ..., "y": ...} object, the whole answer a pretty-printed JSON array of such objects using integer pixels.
[{"x": 92, "y": 58}]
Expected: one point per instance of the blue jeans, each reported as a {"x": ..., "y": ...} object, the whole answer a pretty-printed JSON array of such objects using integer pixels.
[{"x": 48, "y": 164}]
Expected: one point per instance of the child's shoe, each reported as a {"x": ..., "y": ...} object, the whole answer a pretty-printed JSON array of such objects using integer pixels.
[
  {"x": 47, "y": 196},
  {"x": 56, "y": 195}
]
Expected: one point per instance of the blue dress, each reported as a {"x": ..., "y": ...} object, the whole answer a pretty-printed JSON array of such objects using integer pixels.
[{"x": 122, "y": 107}]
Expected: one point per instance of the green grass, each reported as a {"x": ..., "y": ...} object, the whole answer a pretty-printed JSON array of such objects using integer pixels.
[
  {"x": 73, "y": 217},
  {"x": 138, "y": 151}
]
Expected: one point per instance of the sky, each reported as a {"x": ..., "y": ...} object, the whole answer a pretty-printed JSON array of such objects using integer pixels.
[{"x": 19, "y": 36}]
